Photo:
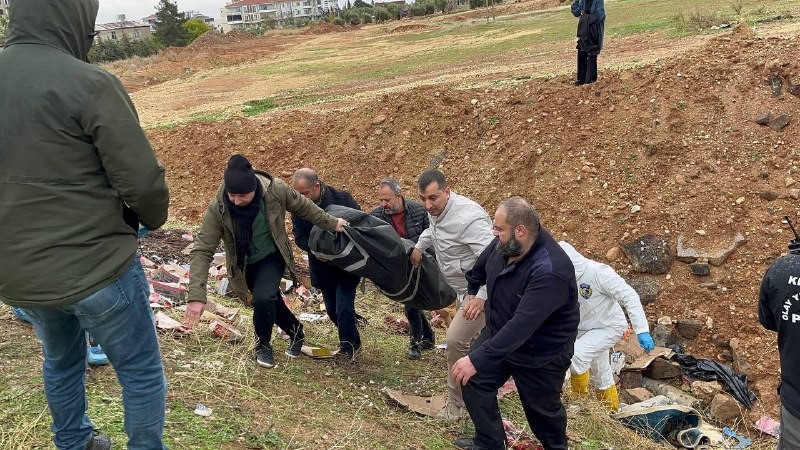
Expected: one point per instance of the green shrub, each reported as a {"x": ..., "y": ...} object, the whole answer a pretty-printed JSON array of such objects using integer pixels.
[
  {"x": 481, "y": 3},
  {"x": 381, "y": 14},
  {"x": 441, "y": 5},
  {"x": 394, "y": 11},
  {"x": 339, "y": 21},
  {"x": 366, "y": 18}
]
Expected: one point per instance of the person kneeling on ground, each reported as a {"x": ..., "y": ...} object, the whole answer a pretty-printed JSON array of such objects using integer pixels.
[{"x": 248, "y": 215}]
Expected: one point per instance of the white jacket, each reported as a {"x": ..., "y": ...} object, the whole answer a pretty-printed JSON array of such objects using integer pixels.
[
  {"x": 601, "y": 291},
  {"x": 458, "y": 236}
]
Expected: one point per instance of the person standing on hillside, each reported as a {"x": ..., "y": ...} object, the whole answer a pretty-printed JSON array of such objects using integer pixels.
[
  {"x": 531, "y": 322},
  {"x": 77, "y": 178},
  {"x": 248, "y": 215},
  {"x": 591, "y": 16},
  {"x": 338, "y": 287},
  {"x": 459, "y": 231},
  {"x": 779, "y": 311},
  {"x": 409, "y": 220},
  {"x": 601, "y": 291}
]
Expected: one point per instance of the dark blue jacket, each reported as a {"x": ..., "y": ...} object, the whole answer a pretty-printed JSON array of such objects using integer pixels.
[
  {"x": 323, "y": 274},
  {"x": 779, "y": 310},
  {"x": 591, "y": 25},
  {"x": 416, "y": 218},
  {"x": 532, "y": 310}
]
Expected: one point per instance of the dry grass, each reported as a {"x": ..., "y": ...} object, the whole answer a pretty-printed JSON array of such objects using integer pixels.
[{"x": 300, "y": 404}]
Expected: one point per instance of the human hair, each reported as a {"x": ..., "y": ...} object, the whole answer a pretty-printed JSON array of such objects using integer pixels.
[
  {"x": 520, "y": 212},
  {"x": 307, "y": 174},
  {"x": 429, "y": 176},
  {"x": 393, "y": 184}
]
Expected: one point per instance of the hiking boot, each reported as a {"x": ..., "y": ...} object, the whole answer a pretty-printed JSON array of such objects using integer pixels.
[
  {"x": 99, "y": 442},
  {"x": 451, "y": 412},
  {"x": 96, "y": 356},
  {"x": 468, "y": 444},
  {"x": 427, "y": 344},
  {"x": 414, "y": 351},
  {"x": 264, "y": 356},
  {"x": 295, "y": 347}
]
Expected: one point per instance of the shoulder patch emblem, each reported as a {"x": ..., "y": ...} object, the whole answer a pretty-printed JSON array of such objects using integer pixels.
[{"x": 585, "y": 290}]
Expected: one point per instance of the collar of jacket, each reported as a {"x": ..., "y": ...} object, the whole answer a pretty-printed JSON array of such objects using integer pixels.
[
  {"x": 447, "y": 207},
  {"x": 538, "y": 242}
]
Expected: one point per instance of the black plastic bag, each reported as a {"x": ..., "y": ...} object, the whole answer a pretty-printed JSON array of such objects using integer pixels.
[{"x": 709, "y": 370}]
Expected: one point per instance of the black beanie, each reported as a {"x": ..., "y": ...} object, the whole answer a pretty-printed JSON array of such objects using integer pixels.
[{"x": 240, "y": 178}]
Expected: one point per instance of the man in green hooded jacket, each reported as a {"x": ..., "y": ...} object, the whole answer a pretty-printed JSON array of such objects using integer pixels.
[{"x": 77, "y": 178}]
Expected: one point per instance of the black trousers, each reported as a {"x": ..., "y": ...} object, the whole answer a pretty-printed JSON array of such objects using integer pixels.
[
  {"x": 263, "y": 279},
  {"x": 419, "y": 328},
  {"x": 587, "y": 68},
  {"x": 539, "y": 392}
]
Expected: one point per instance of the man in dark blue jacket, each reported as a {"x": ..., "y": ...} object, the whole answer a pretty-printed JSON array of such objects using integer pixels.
[
  {"x": 409, "y": 219},
  {"x": 532, "y": 317},
  {"x": 338, "y": 287},
  {"x": 779, "y": 311},
  {"x": 591, "y": 16}
]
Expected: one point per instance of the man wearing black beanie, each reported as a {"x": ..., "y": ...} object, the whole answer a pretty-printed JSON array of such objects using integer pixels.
[{"x": 247, "y": 214}]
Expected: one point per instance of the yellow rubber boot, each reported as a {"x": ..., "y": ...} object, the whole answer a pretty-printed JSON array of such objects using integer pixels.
[
  {"x": 580, "y": 385},
  {"x": 609, "y": 398}
]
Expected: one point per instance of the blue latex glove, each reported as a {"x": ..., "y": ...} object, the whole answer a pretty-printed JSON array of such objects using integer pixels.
[
  {"x": 646, "y": 341},
  {"x": 143, "y": 231}
]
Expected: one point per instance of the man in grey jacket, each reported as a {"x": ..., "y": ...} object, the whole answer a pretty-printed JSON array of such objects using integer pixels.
[{"x": 459, "y": 231}]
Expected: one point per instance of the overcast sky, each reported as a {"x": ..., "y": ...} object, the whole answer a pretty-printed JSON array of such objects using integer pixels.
[{"x": 136, "y": 9}]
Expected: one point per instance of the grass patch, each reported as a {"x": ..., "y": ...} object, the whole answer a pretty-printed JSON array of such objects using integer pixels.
[{"x": 255, "y": 107}]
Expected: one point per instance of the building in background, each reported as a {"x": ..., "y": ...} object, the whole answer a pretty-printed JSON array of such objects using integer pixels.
[
  {"x": 3, "y": 7},
  {"x": 246, "y": 14},
  {"x": 115, "y": 30},
  {"x": 151, "y": 19}
]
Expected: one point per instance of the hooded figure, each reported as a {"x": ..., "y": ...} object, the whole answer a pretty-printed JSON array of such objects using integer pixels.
[
  {"x": 602, "y": 294},
  {"x": 77, "y": 177},
  {"x": 591, "y": 16}
]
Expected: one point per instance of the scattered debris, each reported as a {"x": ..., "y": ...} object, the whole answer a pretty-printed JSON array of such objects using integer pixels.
[
  {"x": 202, "y": 410},
  {"x": 649, "y": 254},
  {"x": 427, "y": 406}
]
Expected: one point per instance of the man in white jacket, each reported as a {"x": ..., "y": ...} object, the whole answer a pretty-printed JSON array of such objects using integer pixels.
[
  {"x": 601, "y": 291},
  {"x": 459, "y": 231}
]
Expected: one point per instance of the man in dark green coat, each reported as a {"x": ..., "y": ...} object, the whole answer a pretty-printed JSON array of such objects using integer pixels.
[
  {"x": 77, "y": 177},
  {"x": 248, "y": 214}
]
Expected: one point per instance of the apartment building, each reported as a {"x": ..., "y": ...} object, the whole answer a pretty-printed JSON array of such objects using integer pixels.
[
  {"x": 3, "y": 7},
  {"x": 115, "y": 30},
  {"x": 245, "y": 14}
]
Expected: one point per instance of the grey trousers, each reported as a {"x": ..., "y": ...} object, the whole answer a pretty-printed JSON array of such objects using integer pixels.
[{"x": 790, "y": 431}]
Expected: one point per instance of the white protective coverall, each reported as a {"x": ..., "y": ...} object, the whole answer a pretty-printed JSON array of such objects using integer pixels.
[{"x": 601, "y": 291}]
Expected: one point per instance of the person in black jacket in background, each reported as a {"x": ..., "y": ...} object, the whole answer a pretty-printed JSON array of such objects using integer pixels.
[
  {"x": 779, "y": 310},
  {"x": 532, "y": 317},
  {"x": 591, "y": 16},
  {"x": 409, "y": 219},
  {"x": 338, "y": 287}
]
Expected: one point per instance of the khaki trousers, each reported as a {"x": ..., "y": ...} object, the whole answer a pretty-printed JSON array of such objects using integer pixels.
[{"x": 460, "y": 335}]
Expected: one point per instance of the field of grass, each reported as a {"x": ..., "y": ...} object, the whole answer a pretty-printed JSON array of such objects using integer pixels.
[{"x": 300, "y": 404}]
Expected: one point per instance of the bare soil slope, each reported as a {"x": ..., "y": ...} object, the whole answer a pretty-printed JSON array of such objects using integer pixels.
[{"x": 669, "y": 149}]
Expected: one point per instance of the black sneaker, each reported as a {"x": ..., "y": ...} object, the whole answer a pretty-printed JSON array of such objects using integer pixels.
[
  {"x": 414, "y": 351},
  {"x": 264, "y": 356},
  {"x": 295, "y": 347},
  {"x": 99, "y": 442},
  {"x": 427, "y": 344}
]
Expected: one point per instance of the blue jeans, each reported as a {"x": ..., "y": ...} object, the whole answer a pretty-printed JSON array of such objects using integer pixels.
[{"x": 119, "y": 318}]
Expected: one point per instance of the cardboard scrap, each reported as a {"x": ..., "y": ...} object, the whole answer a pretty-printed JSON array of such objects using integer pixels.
[
  {"x": 167, "y": 323},
  {"x": 641, "y": 362},
  {"x": 225, "y": 331},
  {"x": 311, "y": 317},
  {"x": 175, "y": 291},
  {"x": 427, "y": 406},
  {"x": 318, "y": 352}
]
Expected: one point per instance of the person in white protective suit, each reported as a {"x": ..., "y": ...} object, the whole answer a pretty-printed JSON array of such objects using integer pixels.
[{"x": 602, "y": 293}]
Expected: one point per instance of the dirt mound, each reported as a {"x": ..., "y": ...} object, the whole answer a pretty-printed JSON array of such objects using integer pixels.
[
  {"x": 409, "y": 27},
  {"x": 325, "y": 27},
  {"x": 668, "y": 149},
  {"x": 214, "y": 39}
]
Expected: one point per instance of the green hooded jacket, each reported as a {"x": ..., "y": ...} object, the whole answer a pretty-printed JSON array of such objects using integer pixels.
[
  {"x": 218, "y": 225},
  {"x": 77, "y": 173}
]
